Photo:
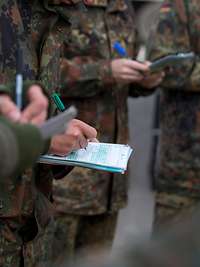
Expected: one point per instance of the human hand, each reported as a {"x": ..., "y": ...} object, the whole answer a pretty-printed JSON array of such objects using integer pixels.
[
  {"x": 35, "y": 112},
  {"x": 152, "y": 80},
  {"x": 8, "y": 108},
  {"x": 37, "y": 109},
  {"x": 75, "y": 137},
  {"x": 128, "y": 70}
]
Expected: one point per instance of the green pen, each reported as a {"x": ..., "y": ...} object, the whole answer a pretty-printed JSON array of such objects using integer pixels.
[{"x": 58, "y": 102}]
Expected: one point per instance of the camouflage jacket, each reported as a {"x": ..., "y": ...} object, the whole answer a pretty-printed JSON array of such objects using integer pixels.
[
  {"x": 178, "y": 167},
  {"x": 85, "y": 43},
  {"x": 19, "y": 193}
]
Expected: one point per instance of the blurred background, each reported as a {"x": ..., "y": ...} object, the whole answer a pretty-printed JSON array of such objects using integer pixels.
[{"x": 135, "y": 220}]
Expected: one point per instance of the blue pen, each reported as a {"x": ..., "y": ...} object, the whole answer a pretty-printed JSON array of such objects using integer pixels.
[
  {"x": 120, "y": 49},
  {"x": 19, "y": 79}
]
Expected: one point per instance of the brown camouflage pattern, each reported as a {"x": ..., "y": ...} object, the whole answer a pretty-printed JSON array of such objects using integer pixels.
[
  {"x": 22, "y": 198},
  {"x": 12, "y": 29},
  {"x": 86, "y": 80},
  {"x": 14, "y": 34},
  {"x": 178, "y": 164},
  {"x": 81, "y": 237}
]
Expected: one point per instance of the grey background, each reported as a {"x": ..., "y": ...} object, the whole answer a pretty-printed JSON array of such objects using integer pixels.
[{"x": 135, "y": 221}]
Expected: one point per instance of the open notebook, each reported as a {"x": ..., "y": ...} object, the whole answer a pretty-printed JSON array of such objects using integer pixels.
[{"x": 100, "y": 156}]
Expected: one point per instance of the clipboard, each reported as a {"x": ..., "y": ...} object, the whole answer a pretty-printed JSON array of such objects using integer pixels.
[{"x": 171, "y": 60}]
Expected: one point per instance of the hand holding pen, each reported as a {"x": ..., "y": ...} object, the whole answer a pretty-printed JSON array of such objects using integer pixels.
[
  {"x": 36, "y": 111},
  {"x": 126, "y": 70}
]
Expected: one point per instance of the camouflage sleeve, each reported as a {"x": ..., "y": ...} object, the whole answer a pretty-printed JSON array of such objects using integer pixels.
[
  {"x": 172, "y": 35},
  {"x": 5, "y": 89},
  {"x": 20, "y": 147},
  {"x": 87, "y": 73},
  {"x": 61, "y": 74}
]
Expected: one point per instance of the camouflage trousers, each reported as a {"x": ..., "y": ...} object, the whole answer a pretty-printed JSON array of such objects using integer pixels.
[
  {"x": 81, "y": 237},
  {"x": 25, "y": 246},
  {"x": 171, "y": 207}
]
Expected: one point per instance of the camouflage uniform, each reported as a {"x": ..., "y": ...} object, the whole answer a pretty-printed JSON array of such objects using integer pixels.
[
  {"x": 26, "y": 225},
  {"x": 178, "y": 165},
  {"x": 87, "y": 201}
]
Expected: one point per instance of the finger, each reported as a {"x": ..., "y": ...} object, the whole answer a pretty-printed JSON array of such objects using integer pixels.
[
  {"x": 9, "y": 109},
  {"x": 83, "y": 142},
  {"x": 132, "y": 78},
  {"x": 79, "y": 140},
  {"x": 132, "y": 72},
  {"x": 38, "y": 120},
  {"x": 30, "y": 113},
  {"x": 86, "y": 130},
  {"x": 62, "y": 144},
  {"x": 136, "y": 65},
  {"x": 38, "y": 104},
  {"x": 35, "y": 93}
]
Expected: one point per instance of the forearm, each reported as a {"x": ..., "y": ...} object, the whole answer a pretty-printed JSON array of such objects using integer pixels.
[{"x": 80, "y": 76}]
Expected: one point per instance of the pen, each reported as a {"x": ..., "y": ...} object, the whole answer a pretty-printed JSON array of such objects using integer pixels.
[
  {"x": 120, "y": 49},
  {"x": 58, "y": 102},
  {"x": 61, "y": 107},
  {"x": 122, "y": 52},
  {"x": 19, "y": 79}
]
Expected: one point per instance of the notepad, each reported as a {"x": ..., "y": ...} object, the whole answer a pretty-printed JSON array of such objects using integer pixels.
[{"x": 99, "y": 156}]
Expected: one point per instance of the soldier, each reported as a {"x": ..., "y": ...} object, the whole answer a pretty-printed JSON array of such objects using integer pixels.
[
  {"x": 177, "y": 168},
  {"x": 26, "y": 223},
  {"x": 94, "y": 78}
]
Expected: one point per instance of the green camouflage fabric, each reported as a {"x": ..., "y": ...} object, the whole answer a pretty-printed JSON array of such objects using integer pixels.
[
  {"x": 85, "y": 80},
  {"x": 13, "y": 35},
  {"x": 14, "y": 140},
  {"x": 26, "y": 223},
  {"x": 178, "y": 165}
]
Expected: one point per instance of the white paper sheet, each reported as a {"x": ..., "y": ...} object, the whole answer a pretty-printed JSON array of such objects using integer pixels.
[{"x": 103, "y": 156}]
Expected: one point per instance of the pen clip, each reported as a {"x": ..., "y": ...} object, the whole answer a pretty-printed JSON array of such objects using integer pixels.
[
  {"x": 19, "y": 78},
  {"x": 121, "y": 51},
  {"x": 58, "y": 102}
]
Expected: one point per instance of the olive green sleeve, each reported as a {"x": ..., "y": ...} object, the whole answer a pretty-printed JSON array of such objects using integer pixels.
[{"x": 20, "y": 147}]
